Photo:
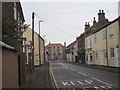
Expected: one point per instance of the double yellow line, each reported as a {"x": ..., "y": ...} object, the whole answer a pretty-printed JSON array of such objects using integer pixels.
[{"x": 54, "y": 83}]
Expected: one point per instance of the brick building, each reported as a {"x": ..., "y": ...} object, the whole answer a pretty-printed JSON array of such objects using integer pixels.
[
  {"x": 12, "y": 30},
  {"x": 55, "y": 51},
  {"x": 12, "y": 22}
]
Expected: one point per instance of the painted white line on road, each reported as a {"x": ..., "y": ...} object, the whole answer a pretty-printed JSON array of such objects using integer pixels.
[
  {"x": 80, "y": 82},
  {"x": 82, "y": 73},
  {"x": 73, "y": 70},
  {"x": 72, "y": 83},
  {"x": 109, "y": 87},
  {"x": 66, "y": 83},
  {"x": 102, "y": 81},
  {"x": 96, "y": 87},
  {"x": 91, "y": 81},
  {"x": 88, "y": 82},
  {"x": 102, "y": 86}
]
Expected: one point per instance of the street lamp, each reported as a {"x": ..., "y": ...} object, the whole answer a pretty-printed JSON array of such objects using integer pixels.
[{"x": 39, "y": 42}]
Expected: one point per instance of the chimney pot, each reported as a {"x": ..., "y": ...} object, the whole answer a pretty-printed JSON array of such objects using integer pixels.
[
  {"x": 88, "y": 24},
  {"x": 94, "y": 18},
  {"x": 102, "y": 11},
  {"x": 99, "y": 11}
]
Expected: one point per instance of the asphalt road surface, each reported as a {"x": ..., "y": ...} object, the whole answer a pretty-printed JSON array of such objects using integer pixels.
[{"x": 72, "y": 76}]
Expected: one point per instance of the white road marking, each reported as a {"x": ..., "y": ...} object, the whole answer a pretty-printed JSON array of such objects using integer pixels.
[
  {"x": 109, "y": 87},
  {"x": 80, "y": 82},
  {"x": 72, "y": 83},
  {"x": 102, "y": 86},
  {"x": 73, "y": 70},
  {"x": 102, "y": 81},
  {"x": 96, "y": 87},
  {"x": 91, "y": 81},
  {"x": 66, "y": 83},
  {"x": 88, "y": 82},
  {"x": 82, "y": 73}
]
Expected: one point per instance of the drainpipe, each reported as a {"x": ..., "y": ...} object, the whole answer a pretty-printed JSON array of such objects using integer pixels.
[{"x": 107, "y": 47}]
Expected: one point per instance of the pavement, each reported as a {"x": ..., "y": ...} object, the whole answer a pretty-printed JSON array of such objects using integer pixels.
[
  {"x": 39, "y": 78},
  {"x": 101, "y": 67},
  {"x": 74, "y": 77}
]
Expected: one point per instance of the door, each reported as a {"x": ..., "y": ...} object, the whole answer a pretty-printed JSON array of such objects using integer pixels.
[{"x": 117, "y": 57}]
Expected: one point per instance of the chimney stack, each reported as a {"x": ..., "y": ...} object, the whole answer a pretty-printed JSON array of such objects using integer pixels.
[
  {"x": 87, "y": 25},
  {"x": 64, "y": 44},
  {"x": 101, "y": 15},
  {"x": 94, "y": 22}
]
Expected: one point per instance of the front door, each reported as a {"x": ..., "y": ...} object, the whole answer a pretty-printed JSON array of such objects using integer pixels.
[{"x": 117, "y": 57}]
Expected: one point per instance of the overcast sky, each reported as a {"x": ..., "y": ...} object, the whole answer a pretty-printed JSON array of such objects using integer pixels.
[{"x": 63, "y": 21}]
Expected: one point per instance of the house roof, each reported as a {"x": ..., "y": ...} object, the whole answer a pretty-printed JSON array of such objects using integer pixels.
[
  {"x": 107, "y": 25},
  {"x": 72, "y": 44},
  {"x": 54, "y": 45}
]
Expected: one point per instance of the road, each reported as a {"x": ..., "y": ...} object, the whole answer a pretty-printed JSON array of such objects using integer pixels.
[{"x": 73, "y": 76}]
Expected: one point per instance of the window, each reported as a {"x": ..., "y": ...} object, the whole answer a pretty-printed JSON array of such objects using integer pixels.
[
  {"x": 104, "y": 35},
  {"x": 86, "y": 57},
  {"x": 95, "y": 39},
  {"x": 112, "y": 52},
  {"x": 96, "y": 55},
  {"x": 90, "y": 56},
  {"x": 111, "y": 32},
  {"x": 90, "y": 42},
  {"x": 15, "y": 11}
]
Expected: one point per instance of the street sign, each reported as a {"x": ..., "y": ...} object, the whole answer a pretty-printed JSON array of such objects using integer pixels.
[{"x": 31, "y": 47}]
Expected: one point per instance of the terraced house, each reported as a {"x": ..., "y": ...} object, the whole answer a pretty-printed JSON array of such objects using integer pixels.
[{"x": 105, "y": 44}]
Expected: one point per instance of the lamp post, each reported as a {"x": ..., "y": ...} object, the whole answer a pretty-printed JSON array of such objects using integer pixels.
[{"x": 39, "y": 43}]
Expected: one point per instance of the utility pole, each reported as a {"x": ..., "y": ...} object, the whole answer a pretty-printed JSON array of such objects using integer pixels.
[
  {"x": 39, "y": 43},
  {"x": 32, "y": 61}
]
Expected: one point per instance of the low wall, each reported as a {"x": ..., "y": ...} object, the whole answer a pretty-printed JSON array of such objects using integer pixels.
[{"x": 10, "y": 77}]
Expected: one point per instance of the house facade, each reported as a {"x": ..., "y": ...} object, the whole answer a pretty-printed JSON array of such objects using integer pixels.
[
  {"x": 38, "y": 47},
  {"x": 12, "y": 30},
  {"x": 81, "y": 48},
  {"x": 12, "y": 21},
  {"x": 89, "y": 50},
  {"x": 71, "y": 52},
  {"x": 55, "y": 51},
  {"x": 106, "y": 49}
]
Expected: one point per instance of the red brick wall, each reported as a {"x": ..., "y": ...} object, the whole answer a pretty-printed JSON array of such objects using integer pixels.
[{"x": 7, "y": 10}]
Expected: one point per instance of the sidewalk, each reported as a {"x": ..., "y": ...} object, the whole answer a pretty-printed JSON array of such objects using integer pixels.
[
  {"x": 100, "y": 67},
  {"x": 39, "y": 78}
]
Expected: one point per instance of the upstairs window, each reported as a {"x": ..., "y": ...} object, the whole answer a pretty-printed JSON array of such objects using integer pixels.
[
  {"x": 15, "y": 11},
  {"x": 111, "y": 32},
  {"x": 104, "y": 34}
]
